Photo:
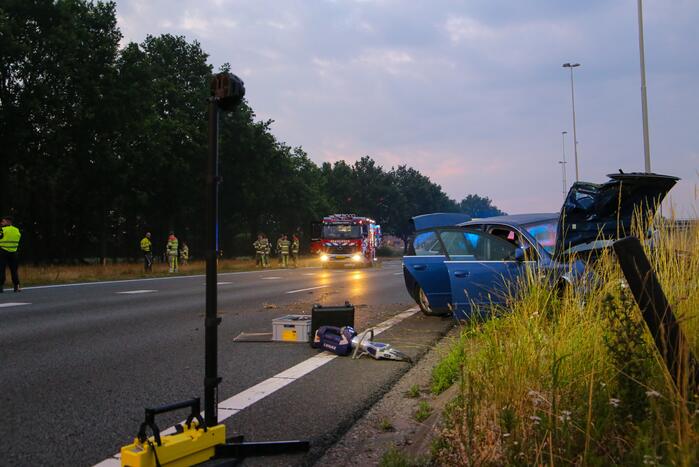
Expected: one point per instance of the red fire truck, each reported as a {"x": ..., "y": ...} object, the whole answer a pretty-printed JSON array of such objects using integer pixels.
[{"x": 346, "y": 239}]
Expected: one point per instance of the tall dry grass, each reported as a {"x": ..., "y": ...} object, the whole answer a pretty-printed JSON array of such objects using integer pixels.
[{"x": 574, "y": 378}]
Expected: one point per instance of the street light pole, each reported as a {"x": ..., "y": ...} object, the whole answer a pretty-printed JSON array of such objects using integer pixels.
[
  {"x": 575, "y": 134},
  {"x": 563, "y": 162},
  {"x": 644, "y": 98}
]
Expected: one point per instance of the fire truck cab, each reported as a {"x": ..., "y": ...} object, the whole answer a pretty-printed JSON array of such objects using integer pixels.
[{"x": 346, "y": 239}]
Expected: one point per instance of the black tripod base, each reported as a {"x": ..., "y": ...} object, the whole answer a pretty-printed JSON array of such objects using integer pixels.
[{"x": 237, "y": 449}]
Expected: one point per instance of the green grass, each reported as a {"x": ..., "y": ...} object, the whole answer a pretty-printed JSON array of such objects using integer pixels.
[
  {"x": 395, "y": 458},
  {"x": 447, "y": 371},
  {"x": 385, "y": 425},
  {"x": 413, "y": 392},
  {"x": 576, "y": 379},
  {"x": 423, "y": 411}
]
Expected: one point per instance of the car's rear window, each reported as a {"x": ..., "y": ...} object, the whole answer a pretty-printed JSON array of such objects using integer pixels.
[{"x": 544, "y": 233}]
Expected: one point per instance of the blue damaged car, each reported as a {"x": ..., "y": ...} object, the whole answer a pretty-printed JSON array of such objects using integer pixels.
[{"x": 456, "y": 265}]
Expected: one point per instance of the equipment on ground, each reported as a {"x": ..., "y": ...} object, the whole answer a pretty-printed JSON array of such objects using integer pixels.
[
  {"x": 363, "y": 344},
  {"x": 292, "y": 328},
  {"x": 346, "y": 239},
  {"x": 192, "y": 443},
  {"x": 205, "y": 440},
  {"x": 332, "y": 315},
  {"x": 342, "y": 341}
]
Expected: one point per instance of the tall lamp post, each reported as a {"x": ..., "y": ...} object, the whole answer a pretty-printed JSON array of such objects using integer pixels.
[
  {"x": 563, "y": 162},
  {"x": 575, "y": 135},
  {"x": 644, "y": 98}
]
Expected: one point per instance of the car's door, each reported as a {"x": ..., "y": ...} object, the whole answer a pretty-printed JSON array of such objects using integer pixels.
[
  {"x": 482, "y": 269},
  {"x": 427, "y": 268}
]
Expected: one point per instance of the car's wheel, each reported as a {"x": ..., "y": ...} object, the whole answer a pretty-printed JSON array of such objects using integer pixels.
[{"x": 424, "y": 304}]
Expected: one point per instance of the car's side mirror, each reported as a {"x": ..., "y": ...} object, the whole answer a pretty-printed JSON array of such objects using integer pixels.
[{"x": 519, "y": 254}]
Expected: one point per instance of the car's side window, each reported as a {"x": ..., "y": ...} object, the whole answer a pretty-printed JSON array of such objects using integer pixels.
[
  {"x": 427, "y": 244},
  {"x": 514, "y": 237},
  {"x": 476, "y": 246}
]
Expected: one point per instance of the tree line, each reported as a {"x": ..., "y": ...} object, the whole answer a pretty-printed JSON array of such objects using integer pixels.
[{"x": 101, "y": 143}]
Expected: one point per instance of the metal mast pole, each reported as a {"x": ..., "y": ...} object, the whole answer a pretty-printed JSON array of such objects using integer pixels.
[
  {"x": 575, "y": 134},
  {"x": 211, "y": 378},
  {"x": 644, "y": 97},
  {"x": 563, "y": 163}
]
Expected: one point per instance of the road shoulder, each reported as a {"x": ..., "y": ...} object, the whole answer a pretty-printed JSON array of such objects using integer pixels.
[{"x": 391, "y": 422}]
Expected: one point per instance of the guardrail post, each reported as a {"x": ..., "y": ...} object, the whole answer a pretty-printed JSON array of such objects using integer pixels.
[{"x": 662, "y": 323}]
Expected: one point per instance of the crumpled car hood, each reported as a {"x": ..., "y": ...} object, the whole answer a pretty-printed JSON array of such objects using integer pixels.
[{"x": 594, "y": 214}]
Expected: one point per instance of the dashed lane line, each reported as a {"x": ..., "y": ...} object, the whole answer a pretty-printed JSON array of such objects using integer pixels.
[
  {"x": 165, "y": 278},
  {"x": 129, "y": 292},
  {"x": 244, "y": 399},
  {"x": 308, "y": 288},
  {"x": 269, "y": 278},
  {"x": 9, "y": 304}
]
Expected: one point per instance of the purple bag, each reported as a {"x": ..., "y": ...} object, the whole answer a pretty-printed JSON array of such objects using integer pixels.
[{"x": 334, "y": 339}]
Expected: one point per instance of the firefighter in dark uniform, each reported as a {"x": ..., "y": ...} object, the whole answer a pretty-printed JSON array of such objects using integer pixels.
[{"x": 9, "y": 243}]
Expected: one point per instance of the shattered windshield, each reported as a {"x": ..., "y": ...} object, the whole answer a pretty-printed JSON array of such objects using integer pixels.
[{"x": 544, "y": 233}]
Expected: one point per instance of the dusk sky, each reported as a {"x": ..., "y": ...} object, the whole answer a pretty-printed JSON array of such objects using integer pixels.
[{"x": 471, "y": 93}]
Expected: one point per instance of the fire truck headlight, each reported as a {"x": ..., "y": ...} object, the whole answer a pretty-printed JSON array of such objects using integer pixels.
[
  {"x": 356, "y": 257},
  {"x": 324, "y": 257}
]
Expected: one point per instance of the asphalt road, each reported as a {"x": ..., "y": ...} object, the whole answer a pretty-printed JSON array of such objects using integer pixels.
[{"x": 79, "y": 363}]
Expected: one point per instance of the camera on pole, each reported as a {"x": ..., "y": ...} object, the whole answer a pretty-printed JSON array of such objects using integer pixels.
[
  {"x": 198, "y": 441},
  {"x": 228, "y": 90}
]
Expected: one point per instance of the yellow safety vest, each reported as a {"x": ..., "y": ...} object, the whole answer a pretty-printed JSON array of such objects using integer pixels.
[
  {"x": 10, "y": 238},
  {"x": 146, "y": 244}
]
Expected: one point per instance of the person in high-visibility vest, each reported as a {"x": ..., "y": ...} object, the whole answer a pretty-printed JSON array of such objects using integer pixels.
[
  {"x": 184, "y": 254},
  {"x": 261, "y": 246},
  {"x": 147, "y": 250},
  {"x": 284, "y": 247},
  {"x": 268, "y": 251},
  {"x": 9, "y": 243},
  {"x": 295, "y": 246},
  {"x": 172, "y": 251}
]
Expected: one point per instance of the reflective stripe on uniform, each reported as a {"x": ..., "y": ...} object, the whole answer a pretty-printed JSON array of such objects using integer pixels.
[{"x": 10, "y": 238}]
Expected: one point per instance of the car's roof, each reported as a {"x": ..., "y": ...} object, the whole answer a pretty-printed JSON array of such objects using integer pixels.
[{"x": 515, "y": 219}]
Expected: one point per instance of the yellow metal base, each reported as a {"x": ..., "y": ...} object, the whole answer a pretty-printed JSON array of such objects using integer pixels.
[{"x": 190, "y": 447}]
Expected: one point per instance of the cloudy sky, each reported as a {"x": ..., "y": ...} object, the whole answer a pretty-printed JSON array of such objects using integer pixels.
[{"x": 471, "y": 93}]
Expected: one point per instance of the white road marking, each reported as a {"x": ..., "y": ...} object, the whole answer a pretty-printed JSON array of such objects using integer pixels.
[
  {"x": 9, "y": 304},
  {"x": 270, "y": 278},
  {"x": 165, "y": 278},
  {"x": 223, "y": 283},
  {"x": 248, "y": 397},
  {"x": 309, "y": 273},
  {"x": 309, "y": 288},
  {"x": 397, "y": 273},
  {"x": 111, "y": 462},
  {"x": 136, "y": 291},
  {"x": 258, "y": 392}
]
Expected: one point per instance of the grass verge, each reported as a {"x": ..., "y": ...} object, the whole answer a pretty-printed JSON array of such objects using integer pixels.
[
  {"x": 575, "y": 378},
  {"x": 63, "y": 274}
]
